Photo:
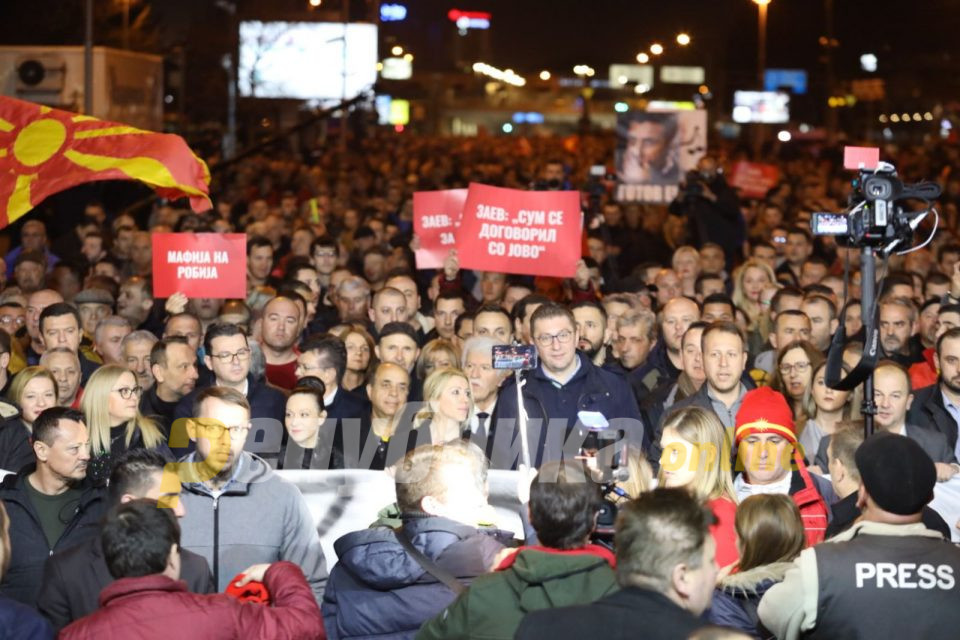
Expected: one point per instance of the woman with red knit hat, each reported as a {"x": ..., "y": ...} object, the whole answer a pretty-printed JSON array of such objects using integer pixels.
[{"x": 769, "y": 461}]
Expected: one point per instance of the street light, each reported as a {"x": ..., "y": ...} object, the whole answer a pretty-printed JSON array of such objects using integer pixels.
[
  {"x": 761, "y": 38},
  {"x": 683, "y": 39},
  {"x": 397, "y": 50},
  {"x": 544, "y": 75},
  {"x": 315, "y": 3},
  {"x": 656, "y": 49},
  {"x": 643, "y": 58}
]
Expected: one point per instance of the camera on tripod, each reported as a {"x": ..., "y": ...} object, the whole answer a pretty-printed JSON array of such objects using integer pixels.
[
  {"x": 877, "y": 224},
  {"x": 876, "y": 217}
]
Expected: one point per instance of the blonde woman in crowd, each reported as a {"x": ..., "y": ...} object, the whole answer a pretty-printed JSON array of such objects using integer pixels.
[
  {"x": 448, "y": 406},
  {"x": 110, "y": 406},
  {"x": 696, "y": 456}
]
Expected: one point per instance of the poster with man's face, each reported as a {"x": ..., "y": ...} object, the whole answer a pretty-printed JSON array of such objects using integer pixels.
[{"x": 655, "y": 150}]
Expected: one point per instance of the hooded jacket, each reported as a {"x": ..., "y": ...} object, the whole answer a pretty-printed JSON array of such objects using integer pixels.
[
  {"x": 737, "y": 596},
  {"x": 256, "y": 517},
  {"x": 532, "y": 579},
  {"x": 378, "y": 590},
  {"x": 29, "y": 543}
]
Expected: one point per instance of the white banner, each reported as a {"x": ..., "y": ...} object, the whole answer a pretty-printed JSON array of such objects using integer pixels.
[{"x": 349, "y": 500}]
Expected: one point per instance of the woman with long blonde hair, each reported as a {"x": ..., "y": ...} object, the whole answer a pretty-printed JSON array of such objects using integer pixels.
[
  {"x": 448, "y": 406},
  {"x": 111, "y": 409},
  {"x": 697, "y": 456}
]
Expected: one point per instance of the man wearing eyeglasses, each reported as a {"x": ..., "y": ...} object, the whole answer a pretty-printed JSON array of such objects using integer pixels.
[
  {"x": 565, "y": 392},
  {"x": 240, "y": 513},
  {"x": 326, "y": 359},
  {"x": 228, "y": 357}
]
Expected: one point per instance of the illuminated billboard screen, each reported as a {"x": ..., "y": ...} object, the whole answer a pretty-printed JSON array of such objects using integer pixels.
[
  {"x": 306, "y": 60},
  {"x": 761, "y": 106}
]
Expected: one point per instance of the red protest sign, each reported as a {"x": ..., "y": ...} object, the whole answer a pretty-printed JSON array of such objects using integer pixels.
[
  {"x": 754, "y": 179},
  {"x": 524, "y": 232},
  {"x": 436, "y": 216},
  {"x": 200, "y": 265},
  {"x": 861, "y": 158}
]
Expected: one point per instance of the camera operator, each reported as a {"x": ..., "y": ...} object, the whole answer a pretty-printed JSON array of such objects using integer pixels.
[
  {"x": 712, "y": 210},
  {"x": 553, "y": 177}
]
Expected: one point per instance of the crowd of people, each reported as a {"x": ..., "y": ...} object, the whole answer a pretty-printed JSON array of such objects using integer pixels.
[{"x": 680, "y": 381}]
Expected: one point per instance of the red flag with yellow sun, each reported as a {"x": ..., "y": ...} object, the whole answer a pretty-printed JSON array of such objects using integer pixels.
[{"x": 44, "y": 151}]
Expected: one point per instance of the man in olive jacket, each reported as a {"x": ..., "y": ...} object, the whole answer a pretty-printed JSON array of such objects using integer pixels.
[{"x": 564, "y": 570}]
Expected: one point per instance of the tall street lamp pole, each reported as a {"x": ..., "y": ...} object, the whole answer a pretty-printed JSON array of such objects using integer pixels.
[
  {"x": 88, "y": 58},
  {"x": 761, "y": 38}
]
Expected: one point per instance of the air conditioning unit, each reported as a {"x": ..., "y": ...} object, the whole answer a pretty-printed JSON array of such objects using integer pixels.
[{"x": 41, "y": 74}]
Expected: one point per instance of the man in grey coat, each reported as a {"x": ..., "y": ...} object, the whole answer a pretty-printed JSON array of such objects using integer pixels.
[{"x": 239, "y": 512}]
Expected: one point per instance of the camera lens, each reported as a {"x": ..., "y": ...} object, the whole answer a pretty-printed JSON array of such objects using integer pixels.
[{"x": 877, "y": 189}]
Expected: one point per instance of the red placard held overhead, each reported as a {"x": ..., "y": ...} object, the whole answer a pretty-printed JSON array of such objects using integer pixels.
[
  {"x": 200, "y": 265},
  {"x": 754, "y": 179},
  {"x": 861, "y": 158},
  {"x": 436, "y": 217},
  {"x": 524, "y": 232}
]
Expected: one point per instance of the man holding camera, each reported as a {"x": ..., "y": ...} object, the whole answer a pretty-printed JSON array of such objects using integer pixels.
[{"x": 712, "y": 210}]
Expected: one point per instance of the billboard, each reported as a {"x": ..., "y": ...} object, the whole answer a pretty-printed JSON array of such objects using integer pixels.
[
  {"x": 655, "y": 150},
  {"x": 794, "y": 80},
  {"x": 761, "y": 106},
  {"x": 306, "y": 60}
]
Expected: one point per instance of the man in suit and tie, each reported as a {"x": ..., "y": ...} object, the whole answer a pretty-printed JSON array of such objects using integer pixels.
[{"x": 485, "y": 383}]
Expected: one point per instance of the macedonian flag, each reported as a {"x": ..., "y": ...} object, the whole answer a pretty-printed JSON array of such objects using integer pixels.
[{"x": 44, "y": 151}]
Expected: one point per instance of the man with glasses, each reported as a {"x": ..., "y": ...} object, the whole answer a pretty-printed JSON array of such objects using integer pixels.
[
  {"x": 228, "y": 357},
  {"x": 564, "y": 393},
  {"x": 326, "y": 359},
  {"x": 240, "y": 513},
  {"x": 13, "y": 316}
]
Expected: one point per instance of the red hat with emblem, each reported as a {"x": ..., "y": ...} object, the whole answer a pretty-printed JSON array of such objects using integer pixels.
[{"x": 764, "y": 410}]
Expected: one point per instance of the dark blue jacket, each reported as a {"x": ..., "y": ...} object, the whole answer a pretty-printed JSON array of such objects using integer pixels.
[
  {"x": 591, "y": 389},
  {"x": 736, "y": 598},
  {"x": 657, "y": 370},
  {"x": 377, "y": 590},
  {"x": 20, "y": 622},
  {"x": 27, "y": 540}
]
